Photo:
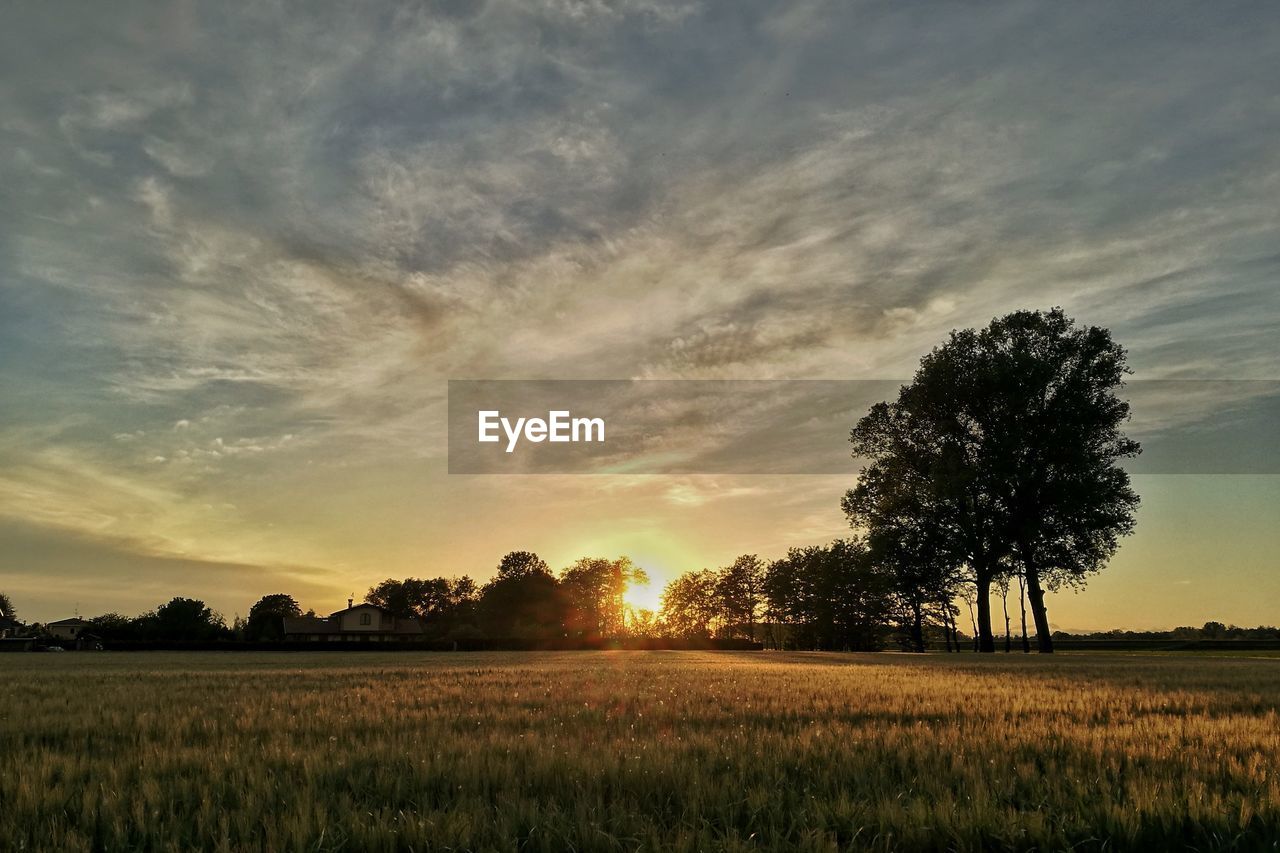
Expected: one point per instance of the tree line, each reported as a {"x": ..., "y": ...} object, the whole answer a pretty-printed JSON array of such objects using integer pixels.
[
  {"x": 783, "y": 604},
  {"x": 523, "y": 601}
]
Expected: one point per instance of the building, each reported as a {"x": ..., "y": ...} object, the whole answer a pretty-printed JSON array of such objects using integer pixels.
[
  {"x": 67, "y": 629},
  {"x": 9, "y": 627},
  {"x": 358, "y": 623}
]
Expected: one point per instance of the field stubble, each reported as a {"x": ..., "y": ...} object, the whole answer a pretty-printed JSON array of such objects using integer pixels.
[{"x": 637, "y": 751}]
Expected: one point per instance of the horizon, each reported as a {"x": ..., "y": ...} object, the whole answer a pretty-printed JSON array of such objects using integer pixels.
[{"x": 244, "y": 253}]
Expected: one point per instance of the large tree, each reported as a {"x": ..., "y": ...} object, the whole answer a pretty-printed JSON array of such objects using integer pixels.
[
  {"x": 267, "y": 615},
  {"x": 185, "y": 619},
  {"x": 1006, "y": 443},
  {"x": 523, "y": 600}
]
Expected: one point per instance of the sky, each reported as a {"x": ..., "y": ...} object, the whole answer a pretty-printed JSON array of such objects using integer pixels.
[{"x": 244, "y": 248}]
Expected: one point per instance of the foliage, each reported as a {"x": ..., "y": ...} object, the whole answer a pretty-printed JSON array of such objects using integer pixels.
[
  {"x": 832, "y": 597},
  {"x": 267, "y": 615},
  {"x": 443, "y": 604},
  {"x": 521, "y": 564},
  {"x": 186, "y": 619},
  {"x": 593, "y": 589},
  {"x": 692, "y": 606},
  {"x": 1001, "y": 456},
  {"x": 740, "y": 589},
  {"x": 523, "y": 604}
]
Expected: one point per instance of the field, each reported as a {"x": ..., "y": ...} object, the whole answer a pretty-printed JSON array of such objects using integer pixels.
[{"x": 624, "y": 751}]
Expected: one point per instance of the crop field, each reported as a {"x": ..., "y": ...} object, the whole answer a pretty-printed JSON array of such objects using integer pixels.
[{"x": 623, "y": 751}]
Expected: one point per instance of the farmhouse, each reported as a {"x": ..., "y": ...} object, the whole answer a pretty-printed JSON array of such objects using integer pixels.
[
  {"x": 360, "y": 623},
  {"x": 67, "y": 629}
]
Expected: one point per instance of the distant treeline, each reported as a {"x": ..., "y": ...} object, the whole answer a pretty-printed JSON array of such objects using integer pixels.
[
  {"x": 821, "y": 597},
  {"x": 1207, "y": 631},
  {"x": 832, "y": 597},
  {"x": 473, "y": 644}
]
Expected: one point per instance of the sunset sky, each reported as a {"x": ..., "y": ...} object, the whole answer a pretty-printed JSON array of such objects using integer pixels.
[{"x": 242, "y": 253}]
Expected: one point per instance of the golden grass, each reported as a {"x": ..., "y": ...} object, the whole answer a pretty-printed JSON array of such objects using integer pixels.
[{"x": 636, "y": 751}]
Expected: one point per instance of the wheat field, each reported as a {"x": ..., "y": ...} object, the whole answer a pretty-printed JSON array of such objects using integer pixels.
[{"x": 629, "y": 751}]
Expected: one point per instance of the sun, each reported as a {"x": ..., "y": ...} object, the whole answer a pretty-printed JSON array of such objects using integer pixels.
[
  {"x": 644, "y": 596},
  {"x": 662, "y": 557}
]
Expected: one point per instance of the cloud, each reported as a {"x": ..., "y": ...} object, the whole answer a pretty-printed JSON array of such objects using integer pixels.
[
  {"x": 100, "y": 574},
  {"x": 260, "y": 224},
  {"x": 694, "y": 493}
]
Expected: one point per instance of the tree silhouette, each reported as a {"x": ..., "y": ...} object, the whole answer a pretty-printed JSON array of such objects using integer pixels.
[
  {"x": 922, "y": 559},
  {"x": 691, "y": 605},
  {"x": 1006, "y": 443},
  {"x": 186, "y": 619},
  {"x": 740, "y": 590},
  {"x": 519, "y": 564},
  {"x": 831, "y": 597},
  {"x": 522, "y": 604},
  {"x": 267, "y": 615}
]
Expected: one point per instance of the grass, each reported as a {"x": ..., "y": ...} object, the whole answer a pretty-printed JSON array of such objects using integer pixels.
[{"x": 622, "y": 751}]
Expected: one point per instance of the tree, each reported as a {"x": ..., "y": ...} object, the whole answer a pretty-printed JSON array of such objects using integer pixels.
[
  {"x": 594, "y": 589},
  {"x": 643, "y": 623},
  {"x": 921, "y": 558},
  {"x": 459, "y": 608},
  {"x": 739, "y": 588},
  {"x": 691, "y": 605},
  {"x": 1007, "y": 441},
  {"x": 6, "y": 606},
  {"x": 186, "y": 619},
  {"x": 519, "y": 564},
  {"x": 444, "y": 604},
  {"x": 403, "y": 599},
  {"x": 523, "y": 601},
  {"x": 115, "y": 626},
  {"x": 860, "y": 593},
  {"x": 267, "y": 615},
  {"x": 831, "y": 597}
]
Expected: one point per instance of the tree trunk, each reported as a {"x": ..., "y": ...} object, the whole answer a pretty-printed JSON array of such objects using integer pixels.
[
  {"x": 1022, "y": 600},
  {"x": 986, "y": 641},
  {"x": 946, "y": 627},
  {"x": 917, "y": 626},
  {"x": 1044, "y": 640},
  {"x": 1004, "y": 600}
]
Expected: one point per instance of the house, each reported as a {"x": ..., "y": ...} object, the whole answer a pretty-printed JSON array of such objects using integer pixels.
[
  {"x": 67, "y": 629},
  {"x": 358, "y": 623},
  {"x": 9, "y": 627}
]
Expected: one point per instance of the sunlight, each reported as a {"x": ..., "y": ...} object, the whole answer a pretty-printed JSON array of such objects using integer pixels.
[
  {"x": 645, "y": 596},
  {"x": 661, "y": 557}
]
